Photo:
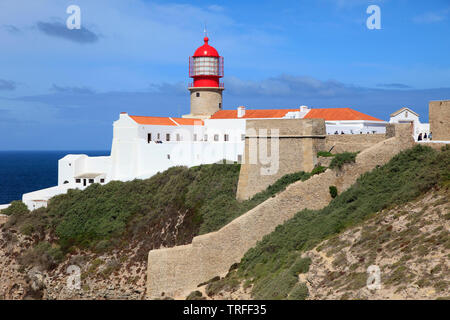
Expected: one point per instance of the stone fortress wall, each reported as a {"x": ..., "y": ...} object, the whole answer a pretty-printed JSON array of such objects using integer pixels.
[
  {"x": 298, "y": 143},
  {"x": 439, "y": 114},
  {"x": 177, "y": 271},
  {"x": 351, "y": 142}
]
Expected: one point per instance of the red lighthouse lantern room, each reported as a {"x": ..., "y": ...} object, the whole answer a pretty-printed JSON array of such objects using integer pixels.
[{"x": 206, "y": 67}]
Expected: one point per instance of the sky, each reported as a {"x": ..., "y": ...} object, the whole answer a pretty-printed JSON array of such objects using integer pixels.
[{"x": 62, "y": 89}]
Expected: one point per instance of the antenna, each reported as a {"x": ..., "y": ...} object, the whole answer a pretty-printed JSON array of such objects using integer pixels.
[{"x": 205, "y": 31}]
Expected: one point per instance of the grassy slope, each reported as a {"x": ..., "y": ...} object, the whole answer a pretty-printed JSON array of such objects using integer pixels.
[
  {"x": 273, "y": 265},
  {"x": 183, "y": 202}
]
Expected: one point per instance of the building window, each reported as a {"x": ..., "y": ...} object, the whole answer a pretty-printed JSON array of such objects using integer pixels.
[
  {"x": 220, "y": 105},
  {"x": 149, "y": 137},
  {"x": 178, "y": 137},
  {"x": 216, "y": 137},
  {"x": 197, "y": 94},
  {"x": 77, "y": 180},
  {"x": 206, "y": 137},
  {"x": 406, "y": 114},
  {"x": 102, "y": 180},
  {"x": 239, "y": 159},
  {"x": 168, "y": 156},
  {"x": 242, "y": 137},
  {"x": 226, "y": 137},
  {"x": 195, "y": 137},
  {"x": 91, "y": 180},
  {"x": 158, "y": 136},
  {"x": 66, "y": 182},
  {"x": 167, "y": 136}
]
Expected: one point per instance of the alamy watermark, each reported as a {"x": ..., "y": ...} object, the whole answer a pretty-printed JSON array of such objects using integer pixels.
[
  {"x": 374, "y": 20},
  {"x": 374, "y": 278},
  {"x": 74, "y": 20},
  {"x": 74, "y": 278}
]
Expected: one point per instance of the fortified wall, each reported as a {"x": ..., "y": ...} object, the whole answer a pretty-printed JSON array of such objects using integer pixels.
[
  {"x": 439, "y": 114},
  {"x": 294, "y": 150},
  {"x": 351, "y": 142},
  {"x": 177, "y": 271}
]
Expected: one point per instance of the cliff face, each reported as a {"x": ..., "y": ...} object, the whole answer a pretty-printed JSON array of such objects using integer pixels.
[
  {"x": 116, "y": 275},
  {"x": 26, "y": 272}
]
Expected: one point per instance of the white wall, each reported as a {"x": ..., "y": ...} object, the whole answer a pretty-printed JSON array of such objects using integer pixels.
[{"x": 407, "y": 116}]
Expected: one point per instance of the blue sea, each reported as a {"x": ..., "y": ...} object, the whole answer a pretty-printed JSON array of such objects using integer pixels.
[{"x": 26, "y": 171}]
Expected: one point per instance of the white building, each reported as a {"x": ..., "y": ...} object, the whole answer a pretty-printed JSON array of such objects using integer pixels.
[
  {"x": 406, "y": 115},
  {"x": 143, "y": 146}
]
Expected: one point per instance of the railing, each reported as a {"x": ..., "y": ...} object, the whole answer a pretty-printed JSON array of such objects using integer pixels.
[{"x": 221, "y": 85}]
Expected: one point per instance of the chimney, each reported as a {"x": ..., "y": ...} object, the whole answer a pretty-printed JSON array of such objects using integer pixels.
[
  {"x": 240, "y": 111},
  {"x": 123, "y": 115},
  {"x": 303, "y": 108}
]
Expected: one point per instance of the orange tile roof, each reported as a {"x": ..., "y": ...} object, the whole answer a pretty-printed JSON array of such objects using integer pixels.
[
  {"x": 331, "y": 114},
  {"x": 188, "y": 121},
  {"x": 252, "y": 114},
  {"x": 328, "y": 114},
  {"x": 166, "y": 121}
]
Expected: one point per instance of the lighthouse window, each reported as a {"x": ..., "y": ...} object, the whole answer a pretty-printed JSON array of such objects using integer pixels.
[
  {"x": 206, "y": 66},
  {"x": 159, "y": 136},
  {"x": 197, "y": 94},
  {"x": 178, "y": 137},
  {"x": 216, "y": 137},
  {"x": 220, "y": 105},
  {"x": 195, "y": 137},
  {"x": 206, "y": 137},
  {"x": 167, "y": 136},
  {"x": 226, "y": 137},
  {"x": 149, "y": 137}
]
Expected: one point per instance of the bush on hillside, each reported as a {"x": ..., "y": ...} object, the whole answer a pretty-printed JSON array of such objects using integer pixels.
[
  {"x": 16, "y": 207},
  {"x": 333, "y": 191},
  {"x": 342, "y": 158},
  {"x": 324, "y": 154}
]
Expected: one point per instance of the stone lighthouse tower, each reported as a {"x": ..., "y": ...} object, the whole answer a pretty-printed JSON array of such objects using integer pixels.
[{"x": 206, "y": 68}]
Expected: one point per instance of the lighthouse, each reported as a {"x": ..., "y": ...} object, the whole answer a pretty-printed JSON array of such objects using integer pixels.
[{"x": 206, "y": 69}]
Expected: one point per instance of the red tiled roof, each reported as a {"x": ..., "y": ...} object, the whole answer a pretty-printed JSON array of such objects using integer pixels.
[
  {"x": 166, "y": 121},
  {"x": 252, "y": 114},
  {"x": 331, "y": 114},
  {"x": 328, "y": 114},
  {"x": 188, "y": 121}
]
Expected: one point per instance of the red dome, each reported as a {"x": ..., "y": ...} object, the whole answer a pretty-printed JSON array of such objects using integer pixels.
[{"x": 206, "y": 50}]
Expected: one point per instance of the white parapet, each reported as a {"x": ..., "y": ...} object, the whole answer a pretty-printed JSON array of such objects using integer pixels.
[{"x": 4, "y": 206}]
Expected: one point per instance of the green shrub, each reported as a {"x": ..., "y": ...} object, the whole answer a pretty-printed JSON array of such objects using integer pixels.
[
  {"x": 324, "y": 154},
  {"x": 301, "y": 265},
  {"x": 275, "y": 287},
  {"x": 333, "y": 191},
  {"x": 16, "y": 207},
  {"x": 318, "y": 170},
  {"x": 300, "y": 292},
  {"x": 43, "y": 255},
  {"x": 195, "y": 295},
  {"x": 342, "y": 158}
]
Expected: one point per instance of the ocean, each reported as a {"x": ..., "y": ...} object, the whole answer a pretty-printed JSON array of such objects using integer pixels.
[{"x": 26, "y": 171}]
